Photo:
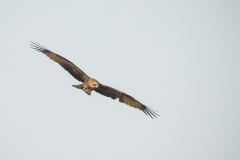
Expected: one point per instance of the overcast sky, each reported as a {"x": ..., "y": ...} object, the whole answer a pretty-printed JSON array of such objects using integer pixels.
[{"x": 181, "y": 58}]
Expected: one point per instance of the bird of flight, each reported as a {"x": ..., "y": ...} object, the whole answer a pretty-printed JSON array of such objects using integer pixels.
[{"x": 89, "y": 84}]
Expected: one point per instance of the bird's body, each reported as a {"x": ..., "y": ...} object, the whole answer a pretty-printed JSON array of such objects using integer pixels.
[{"x": 89, "y": 84}]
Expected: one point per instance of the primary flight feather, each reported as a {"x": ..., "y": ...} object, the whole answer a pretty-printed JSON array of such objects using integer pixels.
[{"x": 90, "y": 84}]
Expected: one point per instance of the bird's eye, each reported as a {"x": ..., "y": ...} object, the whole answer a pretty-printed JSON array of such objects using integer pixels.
[{"x": 95, "y": 85}]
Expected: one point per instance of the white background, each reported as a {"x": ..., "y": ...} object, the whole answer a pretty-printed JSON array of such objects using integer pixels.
[{"x": 181, "y": 58}]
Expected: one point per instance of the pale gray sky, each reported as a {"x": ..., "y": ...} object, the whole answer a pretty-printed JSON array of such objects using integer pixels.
[{"x": 181, "y": 58}]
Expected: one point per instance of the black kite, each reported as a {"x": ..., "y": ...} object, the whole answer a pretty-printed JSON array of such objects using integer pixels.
[{"x": 90, "y": 84}]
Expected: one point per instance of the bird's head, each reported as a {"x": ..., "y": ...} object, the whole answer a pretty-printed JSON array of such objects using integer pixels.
[{"x": 93, "y": 83}]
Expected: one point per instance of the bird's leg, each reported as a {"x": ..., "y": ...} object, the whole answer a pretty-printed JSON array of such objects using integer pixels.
[
  {"x": 88, "y": 91},
  {"x": 85, "y": 89}
]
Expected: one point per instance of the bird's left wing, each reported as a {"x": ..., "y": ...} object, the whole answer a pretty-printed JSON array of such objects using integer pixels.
[
  {"x": 66, "y": 64},
  {"x": 125, "y": 98}
]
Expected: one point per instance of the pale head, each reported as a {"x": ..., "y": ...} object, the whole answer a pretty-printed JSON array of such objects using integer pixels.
[{"x": 92, "y": 83}]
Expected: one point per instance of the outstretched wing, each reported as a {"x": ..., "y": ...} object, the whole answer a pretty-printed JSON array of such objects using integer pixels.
[
  {"x": 66, "y": 64},
  {"x": 125, "y": 98}
]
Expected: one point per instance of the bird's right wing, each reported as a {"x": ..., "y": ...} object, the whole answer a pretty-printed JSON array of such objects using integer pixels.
[
  {"x": 125, "y": 98},
  {"x": 66, "y": 64}
]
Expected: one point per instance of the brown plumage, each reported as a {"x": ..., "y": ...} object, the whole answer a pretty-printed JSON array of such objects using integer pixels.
[{"x": 90, "y": 84}]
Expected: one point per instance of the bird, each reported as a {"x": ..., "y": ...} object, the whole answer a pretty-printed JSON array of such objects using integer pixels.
[{"x": 90, "y": 84}]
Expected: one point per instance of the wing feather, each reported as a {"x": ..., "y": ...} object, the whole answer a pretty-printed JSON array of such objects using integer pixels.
[
  {"x": 125, "y": 98},
  {"x": 66, "y": 64}
]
